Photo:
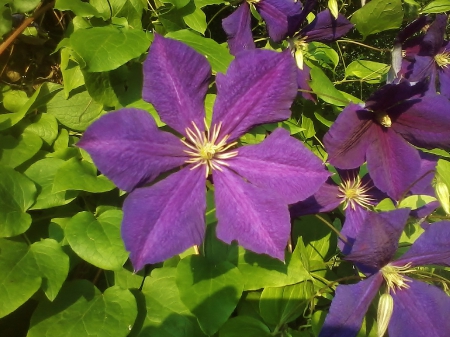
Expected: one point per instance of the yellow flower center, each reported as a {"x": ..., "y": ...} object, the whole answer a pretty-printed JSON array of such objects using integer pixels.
[
  {"x": 394, "y": 278},
  {"x": 353, "y": 192},
  {"x": 206, "y": 148},
  {"x": 443, "y": 59},
  {"x": 383, "y": 119}
]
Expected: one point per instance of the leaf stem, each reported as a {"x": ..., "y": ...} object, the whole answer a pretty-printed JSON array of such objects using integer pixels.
[
  {"x": 364, "y": 45},
  {"x": 343, "y": 238}
]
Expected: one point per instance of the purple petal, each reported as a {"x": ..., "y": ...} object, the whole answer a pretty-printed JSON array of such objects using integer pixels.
[
  {"x": 276, "y": 13},
  {"x": 420, "y": 311},
  {"x": 349, "y": 306},
  {"x": 377, "y": 239},
  {"x": 165, "y": 219},
  {"x": 176, "y": 79},
  {"x": 392, "y": 163},
  {"x": 296, "y": 21},
  {"x": 282, "y": 165},
  {"x": 303, "y": 78},
  {"x": 348, "y": 138},
  {"x": 432, "y": 247},
  {"x": 354, "y": 220},
  {"x": 392, "y": 94},
  {"x": 259, "y": 87},
  {"x": 412, "y": 28},
  {"x": 433, "y": 39},
  {"x": 325, "y": 28},
  {"x": 237, "y": 26},
  {"x": 324, "y": 200},
  {"x": 426, "y": 123},
  {"x": 444, "y": 80},
  {"x": 252, "y": 216},
  {"x": 128, "y": 148},
  {"x": 420, "y": 68}
]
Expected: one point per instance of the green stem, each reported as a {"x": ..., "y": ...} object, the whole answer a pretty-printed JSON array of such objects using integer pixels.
[
  {"x": 343, "y": 238},
  {"x": 365, "y": 45}
]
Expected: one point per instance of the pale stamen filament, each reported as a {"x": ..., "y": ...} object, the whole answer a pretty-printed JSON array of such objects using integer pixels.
[
  {"x": 394, "y": 278},
  {"x": 206, "y": 149},
  {"x": 353, "y": 193}
]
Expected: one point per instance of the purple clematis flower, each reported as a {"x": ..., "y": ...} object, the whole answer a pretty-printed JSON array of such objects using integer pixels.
[
  {"x": 419, "y": 309},
  {"x": 275, "y": 13},
  {"x": 357, "y": 195},
  {"x": 253, "y": 184},
  {"x": 381, "y": 132},
  {"x": 428, "y": 56}
]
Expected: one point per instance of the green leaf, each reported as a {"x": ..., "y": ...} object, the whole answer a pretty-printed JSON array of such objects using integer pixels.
[
  {"x": 438, "y": 6},
  {"x": 218, "y": 56},
  {"x": 284, "y": 304},
  {"x": 196, "y": 19},
  {"x": 98, "y": 240},
  {"x": 107, "y": 48},
  {"x": 260, "y": 271},
  {"x": 81, "y": 310},
  {"x": 368, "y": 71},
  {"x": 324, "y": 88},
  {"x": 14, "y": 100},
  {"x": 177, "y": 3},
  {"x": 308, "y": 126},
  {"x": 377, "y": 16},
  {"x": 323, "y": 54},
  {"x": 203, "y": 3},
  {"x": 6, "y": 22},
  {"x": 78, "y": 7},
  {"x": 17, "y": 194},
  {"x": 210, "y": 290},
  {"x": 416, "y": 201},
  {"x": 15, "y": 151},
  {"x": 77, "y": 112},
  {"x": 443, "y": 169},
  {"x": 81, "y": 176},
  {"x": 23, "y": 6},
  {"x": 43, "y": 174},
  {"x": 71, "y": 72},
  {"x": 127, "y": 279},
  {"x": 43, "y": 263},
  {"x": 105, "y": 87},
  {"x": 385, "y": 205},
  {"x": 44, "y": 126},
  {"x": 244, "y": 326},
  {"x": 166, "y": 313}
]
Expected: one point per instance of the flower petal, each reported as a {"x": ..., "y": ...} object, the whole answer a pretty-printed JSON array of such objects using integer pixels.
[
  {"x": 444, "y": 80},
  {"x": 252, "y": 216},
  {"x": 377, "y": 239},
  {"x": 354, "y": 220},
  {"x": 325, "y": 28},
  {"x": 349, "y": 306},
  {"x": 176, "y": 79},
  {"x": 128, "y": 148},
  {"x": 165, "y": 219},
  {"x": 276, "y": 13},
  {"x": 349, "y": 137},
  {"x": 259, "y": 87},
  {"x": 296, "y": 21},
  {"x": 393, "y": 164},
  {"x": 281, "y": 164},
  {"x": 303, "y": 78},
  {"x": 238, "y": 29},
  {"x": 433, "y": 39},
  {"x": 432, "y": 247},
  {"x": 324, "y": 200},
  {"x": 420, "y": 311},
  {"x": 426, "y": 123}
]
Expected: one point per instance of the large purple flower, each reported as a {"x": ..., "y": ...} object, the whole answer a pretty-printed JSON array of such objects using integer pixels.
[
  {"x": 253, "y": 184},
  {"x": 381, "y": 132},
  {"x": 276, "y": 14},
  {"x": 428, "y": 56},
  {"x": 419, "y": 309}
]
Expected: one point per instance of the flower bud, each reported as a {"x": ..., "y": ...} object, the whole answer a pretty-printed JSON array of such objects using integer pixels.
[
  {"x": 384, "y": 313},
  {"x": 333, "y": 6},
  {"x": 442, "y": 194},
  {"x": 299, "y": 58}
]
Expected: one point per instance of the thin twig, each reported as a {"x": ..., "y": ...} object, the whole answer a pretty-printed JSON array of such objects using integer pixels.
[
  {"x": 24, "y": 25},
  {"x": 365, "y": 45},
  {"x": 343, "y": 238}
]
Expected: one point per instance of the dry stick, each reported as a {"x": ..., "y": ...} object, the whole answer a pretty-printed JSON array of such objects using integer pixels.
[{"x": 24, "y": 25}]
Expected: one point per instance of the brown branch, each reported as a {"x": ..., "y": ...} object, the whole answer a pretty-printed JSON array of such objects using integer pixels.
[{"x": 24, "y": 25}]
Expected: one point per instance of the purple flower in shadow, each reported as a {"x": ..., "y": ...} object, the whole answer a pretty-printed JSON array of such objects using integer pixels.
[
  {"x": 381, "y": 132},
  {"x": 427, "y": 56},
  {"x": 253, "y": 184},
  {"x": 419, "y": 309}
]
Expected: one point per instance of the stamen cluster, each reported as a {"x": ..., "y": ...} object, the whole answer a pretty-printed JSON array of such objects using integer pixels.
[
  {"x": 442, "y": 59},
  {"x": 206, "y": 148},
  {"x": 353, "y": 192},
  {"x": 393, "y": 276}
]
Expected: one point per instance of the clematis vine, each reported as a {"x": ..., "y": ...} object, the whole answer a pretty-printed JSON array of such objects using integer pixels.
[
  {"x": 253, "y": 185},
  {"x": 383, "y": 130},
  {"x": 408, "y": 307},
  {"x": 428, "y": 56}
]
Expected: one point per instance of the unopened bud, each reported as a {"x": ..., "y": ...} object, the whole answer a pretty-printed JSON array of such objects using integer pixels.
[
  {"x": 442, "y": 194},
  {"x": 333, "y": 6},
  {"x": 299, "y": 58},
  {"x": 384, "y": 313}
]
